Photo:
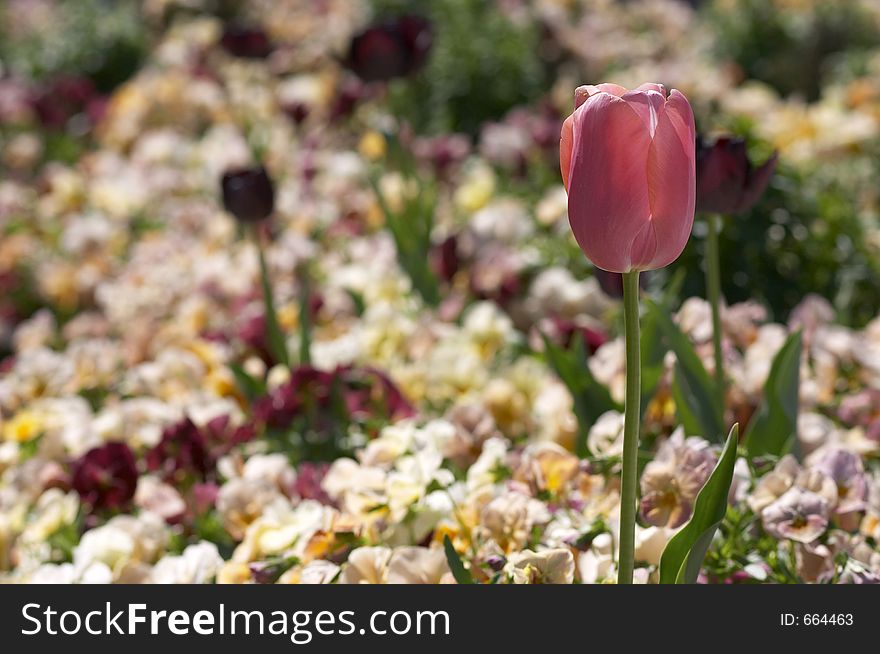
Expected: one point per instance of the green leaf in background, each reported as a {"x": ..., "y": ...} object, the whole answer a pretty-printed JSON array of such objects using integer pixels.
[
  {"x": 692, "y": 388},
  {"x": 252, "y": 388},
  {"x": 411, "y": 229},
  {"x": 653, "y": 346},
  {"x": 773, "y": 429},
  {"x": 653, "y": 352},
  {"x": 460, "y": 573},
  {"x": 684, "y": 553},
  {"x": 305, "y": 320},
  {"x": 591, "y": 399},
  {"x": 274, "y": 335}
]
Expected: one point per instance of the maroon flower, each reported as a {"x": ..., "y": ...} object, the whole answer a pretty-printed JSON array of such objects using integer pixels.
[
  {"x": 308, "y": 482},
  {"x": 726, "y": 180},
  {"x": 183, "y": 450},
  {"x": 106, "y": 477},
  {"x": 246, "y": 42},
  {"x": 325, "y": 398},
  {"x": 63, "y": 98},
  {"x": 391, "y": 49},
  {"x": 248, "y": 194},
  {"x": 566, "y": 331},
  {"x": 445, "y": 259}
]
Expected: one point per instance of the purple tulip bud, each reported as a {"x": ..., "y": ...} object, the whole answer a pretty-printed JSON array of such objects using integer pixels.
[
  {"x": 392, "y": 49},
  {"x": 248, "y": 194},
  {"x": 726, "y": 180}
]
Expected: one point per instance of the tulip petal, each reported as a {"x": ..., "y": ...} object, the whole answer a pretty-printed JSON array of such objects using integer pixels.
[
  {"x": 650, "y": 86},
  {"x": 611, "y": 89},
  {"x": 648, "y": 105},
  {"x": 608, "y": 191},
  {"x": 671, "y": 184},
  {"x": 566, "y": 141}
]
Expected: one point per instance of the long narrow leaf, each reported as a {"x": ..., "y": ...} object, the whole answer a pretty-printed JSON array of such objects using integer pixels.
[
  {"x": 274, "y": 335},
  {"x": 773, "y": 429},
  {"x": 692, "y": 388},
  {"x": 684, "y": 553},
  {"x": 305, "y": 321},
  {"x": 590, "y": 398},
  {"x": 460, "y": 573}
]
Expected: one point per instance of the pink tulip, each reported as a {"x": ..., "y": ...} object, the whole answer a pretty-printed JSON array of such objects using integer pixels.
[{"x": 627, "y": 161}]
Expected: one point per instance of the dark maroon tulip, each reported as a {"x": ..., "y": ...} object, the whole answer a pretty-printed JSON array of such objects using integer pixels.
[
  {"x": 106, "y": 477},
  {"x": 246, "y": 42},
  {"x": 611, "y": 283},
  {"x": 248, "y": 194},
  {"x": 391, "y": 49},
  {"x": 726, "y": 180}
]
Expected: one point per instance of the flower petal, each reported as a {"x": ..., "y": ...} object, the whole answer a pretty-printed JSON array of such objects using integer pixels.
[
  {"x": 671, "y": 183},
  {"x": 566, "y": 141},
  {"x": 608, "y": 191}
]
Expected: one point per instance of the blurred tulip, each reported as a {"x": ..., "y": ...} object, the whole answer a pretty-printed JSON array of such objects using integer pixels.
[
  {"x": 726, "y": 180},
  {"x": 627, "y": 160},
  {"x": 248, "y": 194},
  {"x": 392, "y": 49},
  {"x": 106, "y": 477}
]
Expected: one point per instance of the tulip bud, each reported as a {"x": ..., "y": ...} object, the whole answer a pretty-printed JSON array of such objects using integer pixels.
[
  {"x": 726, "y": 180},
  {"x": 392, "y": 49},
  {"x": 248, "y": 194},
  {"x": 627, "y": 160}
]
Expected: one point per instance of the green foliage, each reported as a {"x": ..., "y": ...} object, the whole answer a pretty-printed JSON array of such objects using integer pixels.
[
  {"x": 591, "y": 399},
  {"x": 104, "y": 40},
  {"x": 411, "y": 228},
  {"x": 481, "y": 65},
  {"x": 791, "y": 49},
  {"x": 806, "y": 235},
  {"x": 684, "y": 553},
  {"x": 692, "y": 388},
  {"x": 773, "y": 429},
  {"x": 653, "y": 344},
  {"x": 460, "y": 573},
  {"x": 274, "y": 335}
]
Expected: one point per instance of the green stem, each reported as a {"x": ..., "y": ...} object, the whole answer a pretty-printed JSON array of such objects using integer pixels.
[
  {"x": 274, "y": 335},
  {"x": 713, "y": 292},
  {"x": 630, "y": 463}
]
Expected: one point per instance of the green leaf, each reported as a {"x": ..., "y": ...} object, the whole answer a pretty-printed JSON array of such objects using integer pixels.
[
  {"x": 773, "y": 429},
  {"x": 591, "y": 399},
  {"x": 252, "y": 388},
  {"x": 411, "y": 229},
  {"x": 684, "y": 553},
  {"x": 460, "y": 573},
  {"x": 653, "y": 345},
  {"x": 692, "y": 388},
  {"x": 305, "y": 321},
  {"x": 274, "y": 335},
  {"x": 653, "y": 351}
]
